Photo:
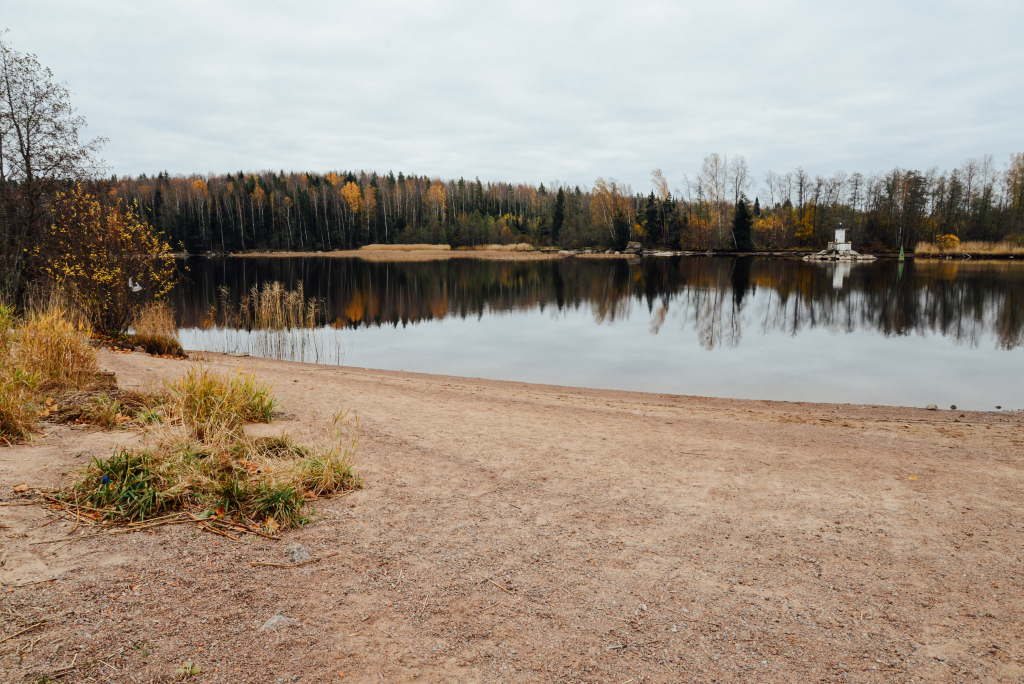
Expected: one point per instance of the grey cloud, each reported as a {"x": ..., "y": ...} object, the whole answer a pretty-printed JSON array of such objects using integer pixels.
[{"x": 532, "y": 91}]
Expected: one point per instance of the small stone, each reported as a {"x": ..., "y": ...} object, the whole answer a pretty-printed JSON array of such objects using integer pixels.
[
  {"x": 953, "y": 407},
  {"x": 298, "y": 553},
  {"x": 277, "y": 622},
  {"x": 932, "y": 407},
  {"x": 20, "y": 488},
  {"x": 140, "y": 350}
]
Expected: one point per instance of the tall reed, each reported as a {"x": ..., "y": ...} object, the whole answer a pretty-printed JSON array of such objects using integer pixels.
[
  {"x": 1005, "y": 248},
  {"x": 270, "y": 322}
]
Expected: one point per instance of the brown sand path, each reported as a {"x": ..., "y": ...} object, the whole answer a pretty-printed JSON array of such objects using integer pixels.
[{"x": 527, "y": 533}]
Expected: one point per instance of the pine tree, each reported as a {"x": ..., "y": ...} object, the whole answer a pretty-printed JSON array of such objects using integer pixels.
[
  {"x": 741, "y": 227},
  {"x": 559, "y": 217}
]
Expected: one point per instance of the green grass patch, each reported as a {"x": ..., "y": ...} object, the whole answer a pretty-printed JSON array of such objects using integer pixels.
[{"x": 199, "y": 458}]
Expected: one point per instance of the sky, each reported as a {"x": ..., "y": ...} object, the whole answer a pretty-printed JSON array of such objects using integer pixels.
[{"x": 536, "y": 91}]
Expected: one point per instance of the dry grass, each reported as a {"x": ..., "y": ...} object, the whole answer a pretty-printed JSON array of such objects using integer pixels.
[
  {"x": 47, "y": 344},
  {"x": 517, "y": 247},
  {"x": 277, "y": 308},
  {"x": 205, "y": 460},
  {"x": 211, "y": 404},
  {"x": 405, "y": 248},
  {"x": 971, "y": 247},
  {"x": 44, "y": 353},
  {"x": 155, "y": 331},
  {"x": 109, "y": 408}
]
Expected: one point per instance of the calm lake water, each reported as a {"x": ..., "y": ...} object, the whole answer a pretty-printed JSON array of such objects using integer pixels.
[{"x": 943, "y": 332}]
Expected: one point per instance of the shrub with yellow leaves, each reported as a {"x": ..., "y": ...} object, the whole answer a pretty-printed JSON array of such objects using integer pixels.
[{"x": 106, "y": 258}]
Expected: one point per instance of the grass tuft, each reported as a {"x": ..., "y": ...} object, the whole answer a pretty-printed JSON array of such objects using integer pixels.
[
  {"x": 44, "y": 353},
  {"x": 155, "y": 331},
  {"x": 209, "y": 403},
  {"x": 201, "y": 459}
]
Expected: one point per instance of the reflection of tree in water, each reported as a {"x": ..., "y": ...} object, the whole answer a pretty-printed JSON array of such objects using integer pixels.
[{"x": 717, "y": 297}]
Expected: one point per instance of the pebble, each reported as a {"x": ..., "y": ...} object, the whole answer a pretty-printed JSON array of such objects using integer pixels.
[
  {"x": 931, "y": 407},
  {"x": 298, "y": 553},
  {"x": 277, "y": 622}
]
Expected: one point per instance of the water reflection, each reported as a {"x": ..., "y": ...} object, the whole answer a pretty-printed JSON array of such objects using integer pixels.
[{"x": 721, "y": 300}]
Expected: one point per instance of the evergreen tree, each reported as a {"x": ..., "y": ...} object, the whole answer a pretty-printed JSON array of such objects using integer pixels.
[
  {"x": 559, "y": 218},
  {"x": 741, "y": 227}
]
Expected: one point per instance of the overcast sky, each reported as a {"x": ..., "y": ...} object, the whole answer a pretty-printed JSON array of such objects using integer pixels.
[{"x": 536, "y": 91}]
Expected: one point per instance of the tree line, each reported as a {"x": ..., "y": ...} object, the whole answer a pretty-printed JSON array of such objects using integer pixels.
[
  {"x": 720, "y": 208},
  {"x": 42, "y": 158}
]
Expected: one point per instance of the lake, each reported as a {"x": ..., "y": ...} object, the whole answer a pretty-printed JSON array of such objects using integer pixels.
[{"x": 939, "y": 331}]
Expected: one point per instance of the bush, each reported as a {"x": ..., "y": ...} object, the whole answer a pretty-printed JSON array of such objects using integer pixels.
[{"x": 106, "y": 258}]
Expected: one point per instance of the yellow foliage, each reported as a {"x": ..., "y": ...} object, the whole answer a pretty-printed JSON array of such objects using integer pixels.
[
  {"x": 352, "y": 195},
  {"x": 436, "y": 198},
  {"x": 947, "y": 243},
  {"x": 106, "y": 258}
]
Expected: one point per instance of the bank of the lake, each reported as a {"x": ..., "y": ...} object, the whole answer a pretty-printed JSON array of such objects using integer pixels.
[{"x": 521, "y": 533}]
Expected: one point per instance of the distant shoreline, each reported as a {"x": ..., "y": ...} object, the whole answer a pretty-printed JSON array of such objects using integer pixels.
[{"x": 539, "y": 255}]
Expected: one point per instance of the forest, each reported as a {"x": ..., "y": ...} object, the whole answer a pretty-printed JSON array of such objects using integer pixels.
[{"x": 720, "y": 208}]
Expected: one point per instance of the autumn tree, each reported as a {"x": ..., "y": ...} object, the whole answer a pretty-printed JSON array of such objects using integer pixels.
[
  {"x": 105, "y": 258},
  {"x": 39, "y": 151}
]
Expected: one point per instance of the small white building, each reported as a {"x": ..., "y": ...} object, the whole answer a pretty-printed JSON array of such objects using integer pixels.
[
  {"x": 841, "y": 245},
  {"x": 840, "y": 250}
]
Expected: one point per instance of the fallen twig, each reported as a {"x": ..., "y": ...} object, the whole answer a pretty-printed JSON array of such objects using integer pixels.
[
  {"x": 488, "y": 579},
  {"x": 27, "y": 629},
  {"x": 493, "y": 605},
  {"x": 294, "y": 565}
]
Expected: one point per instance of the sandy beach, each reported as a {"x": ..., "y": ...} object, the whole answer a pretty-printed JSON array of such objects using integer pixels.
[{"x": 529, "y": 533}]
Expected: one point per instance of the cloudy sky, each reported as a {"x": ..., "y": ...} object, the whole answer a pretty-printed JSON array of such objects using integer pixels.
[{"x": 536, "y": 91}]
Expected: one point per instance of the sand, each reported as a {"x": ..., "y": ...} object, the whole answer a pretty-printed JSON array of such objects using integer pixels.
[{"x": 527, "y": 533}]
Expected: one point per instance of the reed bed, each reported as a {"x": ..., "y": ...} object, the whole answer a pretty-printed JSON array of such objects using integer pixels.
[
  {"x": 516, "y": 247},
  {"x": 994, "y": 249},
  {"x": 271, "y": 322},
  {"x": 405, "y": 248}
]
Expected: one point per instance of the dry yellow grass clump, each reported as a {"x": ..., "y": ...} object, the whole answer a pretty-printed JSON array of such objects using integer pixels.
[
  {"x": 404, "y": 248},
  {"x": 45, "y": 352},
  {"x": 517, "y": 247},
  {"x": 155, "y": 330},
  {"x": 953, "y": 247}
]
